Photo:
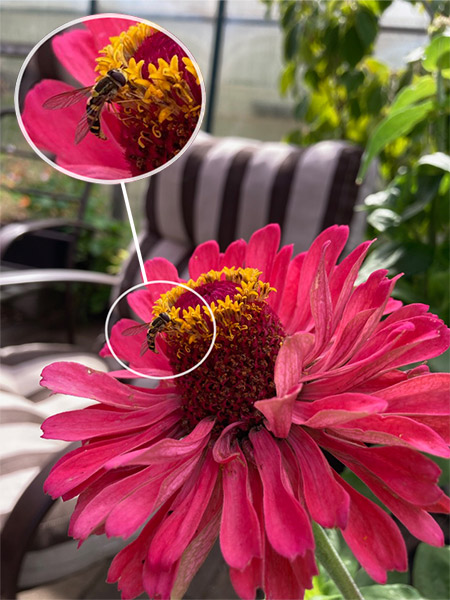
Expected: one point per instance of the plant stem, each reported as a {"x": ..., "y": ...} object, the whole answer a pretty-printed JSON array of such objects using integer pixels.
[
  {"x": 331, "y": 561},
  {"x": 440, "y": 120}
]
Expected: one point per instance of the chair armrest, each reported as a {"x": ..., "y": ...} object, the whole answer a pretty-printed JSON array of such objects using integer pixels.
[
  {"x": 9, "y": 233},
  {"x": 22, "y": 523},
  {"x": 27, "y": 276}
]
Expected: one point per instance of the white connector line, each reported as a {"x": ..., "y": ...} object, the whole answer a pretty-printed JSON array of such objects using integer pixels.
[{"x": 133, "y": 231}]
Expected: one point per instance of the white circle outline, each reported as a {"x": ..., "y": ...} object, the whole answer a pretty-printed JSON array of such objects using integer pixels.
[
  {"x": 41, "y": 154},
  {"x": 175, "y": 284}
]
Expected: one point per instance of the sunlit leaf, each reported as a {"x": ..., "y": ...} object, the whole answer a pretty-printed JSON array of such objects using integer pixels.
[
  {"x": 424, "y": 87},
  {"x": 383, "y": 218},
  {"x": 437, "y": 54},
  {"x": 438, "y": 159},
  {"x": 391, "y": 592},
  {"x": 393, "y": 126}
]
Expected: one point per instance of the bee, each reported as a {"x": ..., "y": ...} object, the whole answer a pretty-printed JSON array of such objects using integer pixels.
[
  {"x": 156, "y": 326},
  {"x": 104, "y": 91}
]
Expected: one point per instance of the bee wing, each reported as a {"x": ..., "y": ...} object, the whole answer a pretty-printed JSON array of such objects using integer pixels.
[
  {"x": 67, "y": 98},
  {"x": 83, "y": 128},
  {"x": 135, "y": 329},
  {"x": 144, "y": 348}
]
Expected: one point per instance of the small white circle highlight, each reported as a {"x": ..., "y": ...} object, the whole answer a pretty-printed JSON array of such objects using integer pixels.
[{"x": 174, "y": 284}]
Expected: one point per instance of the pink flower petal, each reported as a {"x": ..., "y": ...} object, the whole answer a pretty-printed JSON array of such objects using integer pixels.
[
  {"x": 127, "y": 566},
  {"x": 247, "y": 581},
  {"x": 54, "y": 130},
  {"x": 286, "y": 310},
  {"x": 373, "y": 537},
  {"x": 141, "y": 303},
  {"x": 129, "y": 348},
  {"x": 159, "y": 269},
  {"x": 234, "y": 255},
  {"x": 238, "y": 515},
  {"x": 67, "y": 45},
  {"x": 109, "y": 490},
  {"x": 79, "y": 465},
  {"x": 168, "y": 449},
  {"x": 415, "y": 518},
  {"x": 91, "y": 422},
  {"x": 224, "y": 448},
  {"x": 425, "y": 395},
  {"x": 286, "y": 523},
  {"x": 199, "y": 548},
  {"x": 278, "y": 412},
  {"x": 332, "y": 410},
  {"x": 78, "y": 380},
  {"x": 395, "y": 430},
  {"x": 409, "y": 474},
  {"x": 134, "y": 508},
  {"x": 204, "y": 258},
  {"x": 290, "y": 360},
  {"x": 262, "y": 249},
  {"x": 344, "y": 276},
  {"x": 327, "y": 502},
  {"x": 279, "y": 274},
  {"x": 280, "y": 580},
  {"x": 103, "y": 28},
  {"x": 321, "y": 306},
  {"x": 337, "y": 235},
  {"x": 178, "y": 529}
]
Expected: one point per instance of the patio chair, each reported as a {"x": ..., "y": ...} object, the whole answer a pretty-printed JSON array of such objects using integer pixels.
[{"x": 220, "y": 188}]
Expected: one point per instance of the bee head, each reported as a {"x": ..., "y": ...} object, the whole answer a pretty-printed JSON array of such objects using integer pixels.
[{"x": 118, "y": 76}]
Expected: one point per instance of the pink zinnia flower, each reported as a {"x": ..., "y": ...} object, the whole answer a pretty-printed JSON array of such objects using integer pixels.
[
  {"x": 152, "y": 117},
  {"x": 305, "y": 364}
]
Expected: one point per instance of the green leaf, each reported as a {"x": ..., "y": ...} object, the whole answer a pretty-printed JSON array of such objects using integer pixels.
[
  {"x": 437, "y": 54},
  {"x": 301, "y": 108},
  {"x": 443, "y": 464},
  {"x": 397, "y": 591},
  {"x": 417, "y": 258},
  {"x": 382, "y": 198},
  {"x": 288, "y": 14},
  {"x": 287, "y": 78},
  {"x": 362, "y": 579},
  {"x": 361, "y": 487},
  {"x": 352, "y": 80},
  {"x": 352, "y": 48},
  {"x": 438, "y": 159},
  {"x": 431, "y": 571},
  {"x": 422, "y": 88},
  {"x": 384, "y": 257},
  {"x": 393, "y": 126},
  {"x": 427, "y": 190},
  {"x": 291, "y": 41},
  {"x": 383, "y": 218},
  {"x": 366, "y": 25}
]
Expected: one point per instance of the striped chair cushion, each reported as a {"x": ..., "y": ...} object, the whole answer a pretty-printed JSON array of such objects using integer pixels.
[
  {"x": 23, "y": 453},
  {"x": 226, "y": 188}
]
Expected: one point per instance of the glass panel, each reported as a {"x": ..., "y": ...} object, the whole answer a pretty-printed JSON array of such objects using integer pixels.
[
  {"x": 30, "y": 21},
  {"x": 249, "y": 102}
]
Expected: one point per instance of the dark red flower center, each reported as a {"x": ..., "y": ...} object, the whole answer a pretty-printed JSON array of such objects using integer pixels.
[{"x": 240, "y": 369}]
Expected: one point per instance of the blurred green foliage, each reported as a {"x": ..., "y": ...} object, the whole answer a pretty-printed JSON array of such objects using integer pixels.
[
  {"x": 340, "y": 90},
  {"x": 101, "y": 247},
  {"x": 411, "y": 217},
  {"x": 401, "y": 118},
  {"x": 428, "y": 578}
]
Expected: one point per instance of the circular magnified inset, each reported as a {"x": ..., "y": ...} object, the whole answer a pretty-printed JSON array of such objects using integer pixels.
[
  {"x": 110, "y": 98},
  {"x": 153, "y": 328}
]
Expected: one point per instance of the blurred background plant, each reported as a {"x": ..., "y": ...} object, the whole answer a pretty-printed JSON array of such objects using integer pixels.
[
  {"x": 32, "y": 190},
  {"x": 400, "y": 116}
]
